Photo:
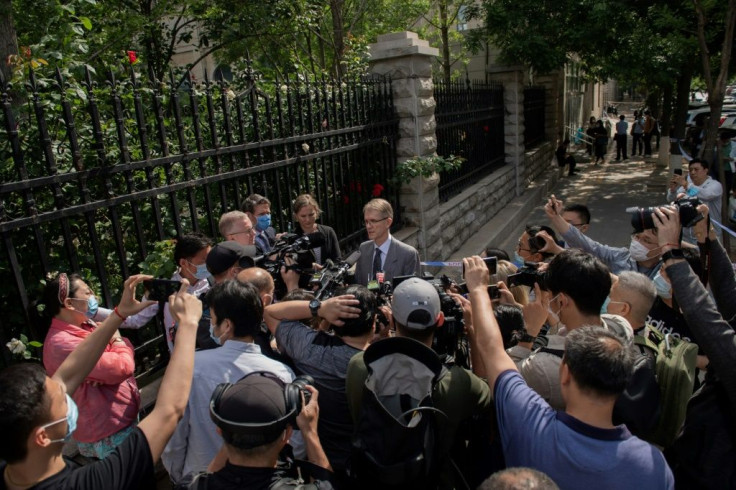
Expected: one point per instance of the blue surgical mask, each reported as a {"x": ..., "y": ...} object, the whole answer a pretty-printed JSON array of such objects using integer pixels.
[
  {"x": 214, "y": 337},
  {"x": 604, "y": 308},
  {"x": 518, "y": 260},
  {"x": 202, "y": 272},
  {"x": 263, "y": 222},
  {"x": 664, "y": 289},
  {"x": 72, "y": 414},
  {"x": 92, "y": 306}
]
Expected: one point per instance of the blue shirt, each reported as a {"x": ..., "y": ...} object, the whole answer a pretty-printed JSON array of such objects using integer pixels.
[
  {"x": 196, "y": 441},
  {"x": 574, "y": 454}
]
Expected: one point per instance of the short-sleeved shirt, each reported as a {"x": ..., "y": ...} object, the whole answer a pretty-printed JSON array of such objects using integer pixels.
[
  {"x": 573, "y": 453},
  {"x": 325, "y": 358},
  {"x": 130, "y": 466}
]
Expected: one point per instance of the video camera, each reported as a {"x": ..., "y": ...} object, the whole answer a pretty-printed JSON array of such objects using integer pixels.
[
  {"x": 332, "y": 277},
  {"x": 642, "y": 219},
  {"x": 296, "y": 247}
]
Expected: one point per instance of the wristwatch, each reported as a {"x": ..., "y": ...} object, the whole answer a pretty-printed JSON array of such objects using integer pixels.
[
  {"x": 675, "y": 253},
  {"x": 314, "y": 307},
  {"x": 525, "y": 337}
]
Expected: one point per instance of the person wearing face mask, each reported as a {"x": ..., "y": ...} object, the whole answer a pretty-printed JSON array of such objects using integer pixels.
[
  {"x": 38, "y": 412},
  {"x": 258, "y": 209},
  {"x": 109, "y": 397},
  {"x": 642, "y": 255},
  {"x": 190, "y": 255},
  {"x": 577, "y": 286},
  {"x": 236, "y": 312}
]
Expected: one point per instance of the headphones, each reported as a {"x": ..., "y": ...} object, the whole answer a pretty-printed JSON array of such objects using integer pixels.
[{"x": 267, "y": 430}]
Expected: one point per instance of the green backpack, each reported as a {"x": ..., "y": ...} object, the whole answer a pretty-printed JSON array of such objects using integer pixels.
[{"x": 675, "y": 370}]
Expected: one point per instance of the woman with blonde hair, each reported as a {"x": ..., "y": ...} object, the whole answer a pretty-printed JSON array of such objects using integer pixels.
[{"x": 306, "y": 212}]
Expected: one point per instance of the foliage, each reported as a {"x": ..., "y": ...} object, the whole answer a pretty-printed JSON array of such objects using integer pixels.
[
  {"x": 425, "y": 167},
  {"x": 160, "y": 261},
  {"x": 19, "y": 348}
]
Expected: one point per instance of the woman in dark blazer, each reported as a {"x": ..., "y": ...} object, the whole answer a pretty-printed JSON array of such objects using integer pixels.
[{"x": 306, "y": 212}]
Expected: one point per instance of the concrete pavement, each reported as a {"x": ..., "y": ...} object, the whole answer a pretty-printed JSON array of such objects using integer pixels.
[{"x": 606, "y": 189}]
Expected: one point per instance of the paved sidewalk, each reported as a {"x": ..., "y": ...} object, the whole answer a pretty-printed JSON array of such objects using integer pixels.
[{"x": 606, "y": 189}]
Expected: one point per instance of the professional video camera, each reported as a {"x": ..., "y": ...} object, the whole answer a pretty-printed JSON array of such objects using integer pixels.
[
  {"x": 296, "y": 247},
  {"x": 332, "y": 277},
  {"x": 642, "y": 219}
]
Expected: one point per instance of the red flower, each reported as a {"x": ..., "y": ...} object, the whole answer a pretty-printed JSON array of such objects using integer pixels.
[
  {"x": 486, "y": 129},
  {"x": 132, "y": 57},
  {"x": 345, "y": 200},
  {"x": 377, "y": 190}
]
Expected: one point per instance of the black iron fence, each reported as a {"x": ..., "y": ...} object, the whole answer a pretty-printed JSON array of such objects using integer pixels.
[
  {"x": 534, "y": 116},
  {"x": 470, "y": 125},
  {"x": 93, "y": 172}
]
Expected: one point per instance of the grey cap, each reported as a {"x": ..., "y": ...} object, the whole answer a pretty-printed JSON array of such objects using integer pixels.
[{"x": 415, "y": 304}]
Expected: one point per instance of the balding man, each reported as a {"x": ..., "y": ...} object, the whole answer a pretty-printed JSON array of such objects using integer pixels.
[
  {"x": 263, "y": 282},
  {"x": 236, "y": 226}
]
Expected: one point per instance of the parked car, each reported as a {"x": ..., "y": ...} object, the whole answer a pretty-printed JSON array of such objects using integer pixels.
[{"x": 696, "y": 116}]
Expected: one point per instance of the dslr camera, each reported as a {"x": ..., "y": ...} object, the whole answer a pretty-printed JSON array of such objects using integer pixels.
[{"x": 643, "y": 219}]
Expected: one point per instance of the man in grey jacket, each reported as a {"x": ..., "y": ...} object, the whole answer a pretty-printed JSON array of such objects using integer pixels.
[
  {"x": 642, "y": 255},
  {"x": 383, "y": 253}
]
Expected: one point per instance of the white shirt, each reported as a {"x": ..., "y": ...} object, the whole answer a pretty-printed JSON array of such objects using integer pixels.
[{"x": 196, "y": 441}]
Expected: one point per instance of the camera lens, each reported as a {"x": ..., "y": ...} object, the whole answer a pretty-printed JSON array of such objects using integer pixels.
[
  {"x": 641, "y": 218},
  {"x": 302, "y": 382}
]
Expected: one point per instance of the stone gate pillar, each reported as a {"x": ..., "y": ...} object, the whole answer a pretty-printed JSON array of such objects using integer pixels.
[{"x": 408, "y": 61}]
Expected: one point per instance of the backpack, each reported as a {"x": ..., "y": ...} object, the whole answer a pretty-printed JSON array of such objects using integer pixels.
[
  {"x": 394, "y": 443},
  {"x": 675, "y": 368},
  {"x": 639, "y": 405}
]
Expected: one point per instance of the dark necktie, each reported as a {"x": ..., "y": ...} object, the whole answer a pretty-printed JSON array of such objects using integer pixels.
[
  {"x": 376, "y": 262},
  {"x": 263, "y": 241}
]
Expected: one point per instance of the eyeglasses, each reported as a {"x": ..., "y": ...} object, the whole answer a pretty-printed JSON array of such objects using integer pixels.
[
  {"x": 374, "y": 222},
  {"x": 576, "y": 225},
  {"x": 249, "y": 231},
  {"x": 519, "y": 249}
]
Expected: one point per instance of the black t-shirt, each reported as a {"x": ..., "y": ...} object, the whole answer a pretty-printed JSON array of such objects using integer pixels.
[
  {"x": 233, "y": 477},
  {"x": 669, "y": 321},
  {"x": 130, "y": 466}
]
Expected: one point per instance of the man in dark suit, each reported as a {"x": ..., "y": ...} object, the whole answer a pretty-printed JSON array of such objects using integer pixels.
[
  {"x": 383, "y": 253},
  {"x": 258, "y": 209}
]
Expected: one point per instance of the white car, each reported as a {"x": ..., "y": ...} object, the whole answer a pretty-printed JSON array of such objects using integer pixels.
[{"x": 695, "y": 116}]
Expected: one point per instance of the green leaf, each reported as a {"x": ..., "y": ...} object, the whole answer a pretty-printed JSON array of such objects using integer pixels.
[
  {"x": 35, "y": 343},
  {"x": 86, "y": 23}
]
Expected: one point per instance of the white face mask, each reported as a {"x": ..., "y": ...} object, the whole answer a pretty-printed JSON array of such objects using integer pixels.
[
  {"x": 554, "y": 316},
  {"x": 638, "y": 252}
]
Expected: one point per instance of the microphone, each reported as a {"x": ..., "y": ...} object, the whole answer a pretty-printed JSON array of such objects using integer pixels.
[{"x": 353, "y": 258}]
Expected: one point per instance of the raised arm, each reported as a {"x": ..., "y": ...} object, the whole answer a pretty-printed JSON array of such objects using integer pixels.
[
  {"x": 83, "y": 359},
  {"x": 722, "y": 280},
  {"x": 331, "y": 310},
  {"x": 488, "y": 336},
  {"x": 716, "y": 337},
  {"x": 307, "y": 423},
  {"x": 174, "y": 391}
]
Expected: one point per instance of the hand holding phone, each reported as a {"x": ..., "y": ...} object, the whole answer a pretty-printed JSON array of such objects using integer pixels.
[
  {"x": 161, "y": 289},
  {"x": 491, "y": 263}
]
